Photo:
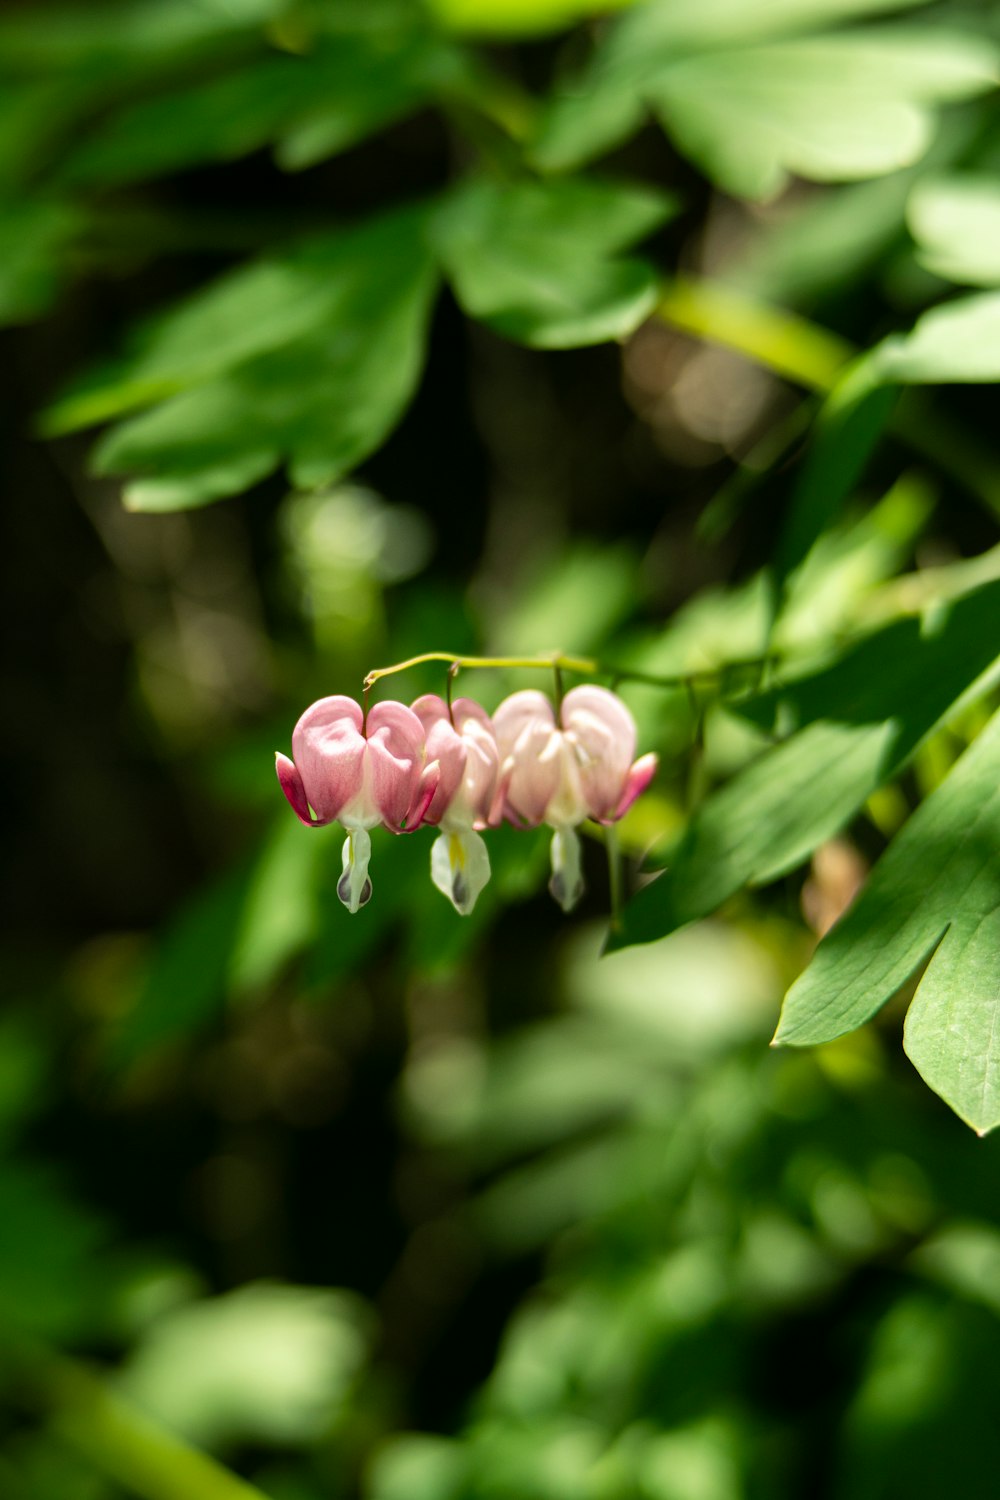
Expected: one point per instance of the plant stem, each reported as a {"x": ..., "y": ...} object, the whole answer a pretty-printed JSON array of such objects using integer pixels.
[
  {"x": 122, "y": 1442},
  {"x": 783, "y": 342},
  {"x": 614, "y": 875},
  {"x": 555, "y": 661}
]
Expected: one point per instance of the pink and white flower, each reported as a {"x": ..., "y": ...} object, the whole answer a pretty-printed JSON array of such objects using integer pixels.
[
  {"x": 360, "y": 773},
  {"x": 562, "y": 773},
  {"x": 464, "y": 745}
]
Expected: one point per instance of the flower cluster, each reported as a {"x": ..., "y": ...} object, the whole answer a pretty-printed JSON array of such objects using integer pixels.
[{"x": 458, "y": 770}]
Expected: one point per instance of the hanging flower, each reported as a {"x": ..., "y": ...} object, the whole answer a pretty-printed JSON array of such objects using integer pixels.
[
  {"x": 358, "y": 772},
  {"x": 464, "y": 745},
  {"x": 562, "y": 773}
]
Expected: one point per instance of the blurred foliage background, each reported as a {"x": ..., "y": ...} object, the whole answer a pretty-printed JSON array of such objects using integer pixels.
[{"x": 665, "y": 332}]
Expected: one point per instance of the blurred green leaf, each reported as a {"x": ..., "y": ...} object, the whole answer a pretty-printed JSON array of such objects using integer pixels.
[
  {"x": 828, "y": 239},
  {"x": 920, "y": 1421},
  {"x": 857, "y": 723},
  {"x": 281, "y": 912},
  {"x": 539, "y": 261},
  {"x": 934, "y": 895},
  {"x": 841, "y": 106},
  {"x": 717, "y": 23},
  {"x": 599, "y": 108},
  {"x": 836, "y": 587},
  {"x": 572, "y": 603},
  {"x": 109, "y": 35},
  {"x": 34, "y": 238},
  {"x": 311, "y": 105},
  {"x": 830, "y": 108},
  {"x": 24, "y": 1070},
  {"x": 266, "y": 1363},
  {"x": 958, "y": 341},
  {"x": 847, "y": 428},
  {"x": 186, "y": 983},
  {"x": 310, "y": 359},
  {"x": 965, "y": 1258},
  {"x": 956, "y": 223},
  {"x": 53, "y": 1281}
]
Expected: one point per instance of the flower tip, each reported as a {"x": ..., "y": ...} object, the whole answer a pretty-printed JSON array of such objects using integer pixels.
[
  {"x": 427, "y": 786},
  {"x": 566, "y": 885},
  {"x": 638, "y": 780},
  {"x": 347, "y": 896},
  {"x": 291, "y": 784}
]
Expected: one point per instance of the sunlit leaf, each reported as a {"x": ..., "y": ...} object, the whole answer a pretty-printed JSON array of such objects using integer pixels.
[
  {"x": 596, "y": 110},
  {"x": 578, "y": 597},
  {"x": 848, "y": 426},
  {"x": 956, "y": 223},
  {"x": 830, "y": 108},
  {"x": 859, "y": 721},
  {"x": 539, "y": 261},
  {"x": 309, "y": 360},
  {"x": 934, "y": 895},
  {"x": 958, "y": 341},
  {"x": 281, "y": 911},
  {"x": 266, "y": 1362},
  {"x": 836, "y": 107},
  {"x": 920, "y": 1419}
]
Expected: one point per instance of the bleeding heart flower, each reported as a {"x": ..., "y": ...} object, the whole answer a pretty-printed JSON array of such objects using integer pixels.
[
  {"x": 464, "y": 744},
  {"x": 562, "y": 773},
  {"x": 359, "y": 773}
]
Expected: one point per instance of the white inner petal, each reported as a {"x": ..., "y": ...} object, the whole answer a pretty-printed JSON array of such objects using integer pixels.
[
  {"x": 354, "y": 887},
  {"x": 566, "y": 884},
  {"x": 460, "y": 866}
]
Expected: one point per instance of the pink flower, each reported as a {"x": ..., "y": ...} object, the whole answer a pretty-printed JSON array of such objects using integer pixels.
[
  {"x": 464, "y": 744},
  {"x": 562, "y": 773},
  {"x": 358, "y": 773}
]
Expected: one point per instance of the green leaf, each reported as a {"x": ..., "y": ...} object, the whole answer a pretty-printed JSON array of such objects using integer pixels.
[
  {"x": 858, "y": 722},
  {"x": 956, "y": 342},
  {"x": 312, "y": 105},
  {"x": 539, "y": 261},
  {"x": 601, "y": 107},
  {"x": 310, "y": 360},
  {"x": 34, "y": 236},
  {"x": 53, "y": 1267},
  {"x": 831, "y": 108},
  {"x": 676, "y": 24},
  {"x": 837, "y": 107},
  {"x": 934, "y": 895},
  {"x": 95, "y": 36},
  {"x": 848, "y": 426},
  {"x": 186, "y": 984},
  {"x": 956, "y": 223},
  {"x": 282, "y": 905},
  {"x": 267, "y": 1362}
]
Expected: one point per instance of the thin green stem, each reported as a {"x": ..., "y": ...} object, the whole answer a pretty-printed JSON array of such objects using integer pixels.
[
  {"x": 614, "y": 875},
  {"x": 783, "y": 342},
  {"x": 122, "y": 1442},
  {"x": 556, "y": 662},
  {"x": 554, "y": 659}
]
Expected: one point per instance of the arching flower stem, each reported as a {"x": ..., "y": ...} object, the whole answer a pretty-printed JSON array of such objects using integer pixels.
[{"x": 585, "y": 666}]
